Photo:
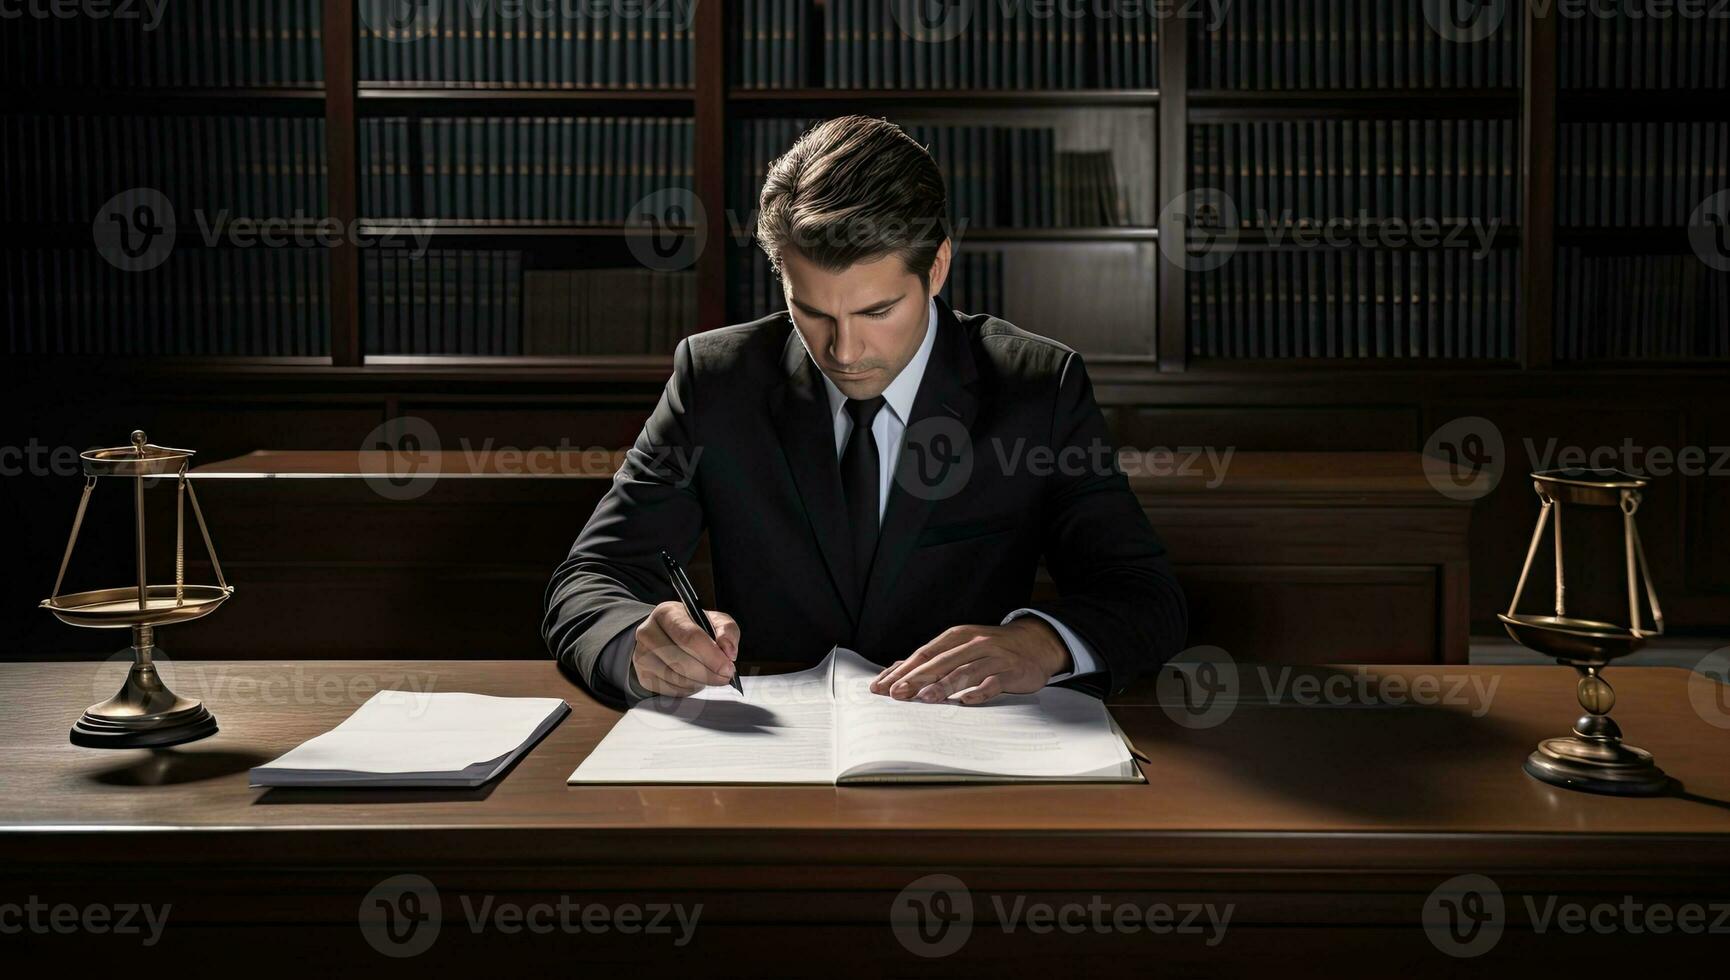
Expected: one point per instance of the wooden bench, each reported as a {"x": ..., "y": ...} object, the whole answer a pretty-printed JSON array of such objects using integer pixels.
[{"x": 1291, "y": 557}]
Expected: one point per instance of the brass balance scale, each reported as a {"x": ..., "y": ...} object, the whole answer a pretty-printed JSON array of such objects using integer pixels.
[
  {"x": 1593, "y": 758},
  {"x": 144, "y": 713}
]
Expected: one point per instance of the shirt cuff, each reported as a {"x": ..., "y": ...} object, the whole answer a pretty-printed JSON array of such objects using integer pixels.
[
  {"x": 1081, "y": 655},
  {"x": 614, "y": 665}
]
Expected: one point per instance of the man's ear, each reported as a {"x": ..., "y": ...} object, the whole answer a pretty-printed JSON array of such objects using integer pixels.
[{"x": 939, "y": 269}]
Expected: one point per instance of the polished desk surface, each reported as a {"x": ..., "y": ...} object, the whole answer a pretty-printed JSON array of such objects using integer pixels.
[
  {"x": 1361, "y": 785},
  {"x": 1323, "y": 831}
]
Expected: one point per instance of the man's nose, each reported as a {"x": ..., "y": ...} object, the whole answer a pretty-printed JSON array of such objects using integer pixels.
[{"x": 848, "y": 344}]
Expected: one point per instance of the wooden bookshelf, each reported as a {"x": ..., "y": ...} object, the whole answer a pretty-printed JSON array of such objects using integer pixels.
[
  {"x": 717, "y": 107},
  {"x": 1162, "y": 395}
]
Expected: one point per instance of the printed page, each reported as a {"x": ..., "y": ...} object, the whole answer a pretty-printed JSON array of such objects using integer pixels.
[
  {"x": 1054, "y": 734},
  {"x": 781, "y": 730}
]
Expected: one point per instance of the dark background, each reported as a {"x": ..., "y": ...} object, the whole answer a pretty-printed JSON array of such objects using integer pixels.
[{"x": 1600, "y": 323}]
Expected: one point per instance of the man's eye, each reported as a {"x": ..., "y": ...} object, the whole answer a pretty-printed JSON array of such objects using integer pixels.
[{"x": 878, "y": 314}]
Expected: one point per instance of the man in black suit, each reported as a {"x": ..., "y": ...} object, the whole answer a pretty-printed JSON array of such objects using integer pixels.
[{"x": 873, "y": 470}]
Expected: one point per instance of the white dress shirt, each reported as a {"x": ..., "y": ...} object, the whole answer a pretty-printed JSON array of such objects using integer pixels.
[{"x": 888, "y": 429}]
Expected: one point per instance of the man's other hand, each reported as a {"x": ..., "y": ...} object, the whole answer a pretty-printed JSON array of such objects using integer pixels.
[
  {"x": 979, "y": 663},
  {"x": 674, "y": 656}
]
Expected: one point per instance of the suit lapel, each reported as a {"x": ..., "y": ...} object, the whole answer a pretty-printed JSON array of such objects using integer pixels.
[
  {"x": 936, "y": 458},
  {"x": 799, "y": 407}
]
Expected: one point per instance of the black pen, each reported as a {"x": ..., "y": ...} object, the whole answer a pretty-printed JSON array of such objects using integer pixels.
[{"x": 693, "y": 607}]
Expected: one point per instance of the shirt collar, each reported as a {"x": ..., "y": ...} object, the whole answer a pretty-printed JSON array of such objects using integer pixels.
[{"x": 902, "y": 390}]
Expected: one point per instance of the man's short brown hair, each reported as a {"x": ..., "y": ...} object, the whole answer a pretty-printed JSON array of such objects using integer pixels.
[{"x": 852, "y": 189}]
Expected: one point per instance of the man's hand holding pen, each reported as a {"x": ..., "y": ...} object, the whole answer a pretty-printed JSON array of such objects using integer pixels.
[{"x": 673, "y": 655}]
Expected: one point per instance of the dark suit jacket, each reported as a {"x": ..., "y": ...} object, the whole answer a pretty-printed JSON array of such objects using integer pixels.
[{"x": 742, "y": 445}]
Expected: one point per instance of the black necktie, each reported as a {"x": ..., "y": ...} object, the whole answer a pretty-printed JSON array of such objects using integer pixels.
[{"x": 859, "y": 481}]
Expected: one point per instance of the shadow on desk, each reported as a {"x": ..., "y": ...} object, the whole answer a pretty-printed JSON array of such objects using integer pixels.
[
  {"x": 177, "y": 766},
  {"x": 371, "y": 796},
  {"x": 1314, "y": 750}
]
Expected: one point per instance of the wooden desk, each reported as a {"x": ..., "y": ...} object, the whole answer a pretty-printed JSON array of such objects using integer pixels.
[
  {"x": 1324, "y": 829},
  {"x": 1302, "y": 557}
]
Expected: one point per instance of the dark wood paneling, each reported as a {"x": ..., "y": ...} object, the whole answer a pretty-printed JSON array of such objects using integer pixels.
[
  {"x": 1271, "y": 429},
  {"x": 1538, "y": 176},
  {"x": 1314, "y": 614},
  {"x": 1707, "y": 527},
  {"x": 342, "y": 141},
  {"x": 476, "y": 427}
]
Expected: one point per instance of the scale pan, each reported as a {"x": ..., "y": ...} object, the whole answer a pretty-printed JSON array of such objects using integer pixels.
[
  {"x": 115, "y": 608},
  {"x": 1569, "y": 639}
]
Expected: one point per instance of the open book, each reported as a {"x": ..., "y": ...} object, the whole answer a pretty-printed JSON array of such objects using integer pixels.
[
  {"x": 823, "y": 725},
  {"x": 408, "y": 738}
]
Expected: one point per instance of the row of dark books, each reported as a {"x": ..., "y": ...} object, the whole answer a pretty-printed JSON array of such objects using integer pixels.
[
  {"x": 444, "y": 301},
  {"x": 470, "y": 44},
  {"x": 1640, "y": 307},
  {"x": 179, "y": 44},
  {"x": 1279, "y": 173},
  {"x": 976, "y": 284},
  {"x": 256, "y": 302},
  {"x": 1280, "y": 45},
  {"x": 64, "y": 168},
  {"x": 607, "y": 311},
  {"x": 1634, "y": 46},
  {"x": 991, "y": 45},
  {"x": 1357, "y": 303},
  {"x": 769, "y": 43},
  {"x": 1641, "y": 174},
  {"x": 560, "y": 168},
  {"x": 997, "y": 176}
]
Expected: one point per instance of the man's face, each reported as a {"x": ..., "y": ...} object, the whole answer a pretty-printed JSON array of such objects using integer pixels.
[{"x": 864, "y": 324}]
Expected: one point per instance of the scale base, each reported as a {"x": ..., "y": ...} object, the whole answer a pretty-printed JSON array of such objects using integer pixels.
[
  {"x": 1597, "y": 765},
  {"x": 144, "y": 713},
  {"x": 97, "y": 732}
]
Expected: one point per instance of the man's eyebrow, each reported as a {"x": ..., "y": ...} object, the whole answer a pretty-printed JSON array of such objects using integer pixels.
[{"x": 881, "y": 304}]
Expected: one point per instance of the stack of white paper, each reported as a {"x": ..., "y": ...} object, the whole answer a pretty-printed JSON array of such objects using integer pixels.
[{"x": 404, "y": 738}]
